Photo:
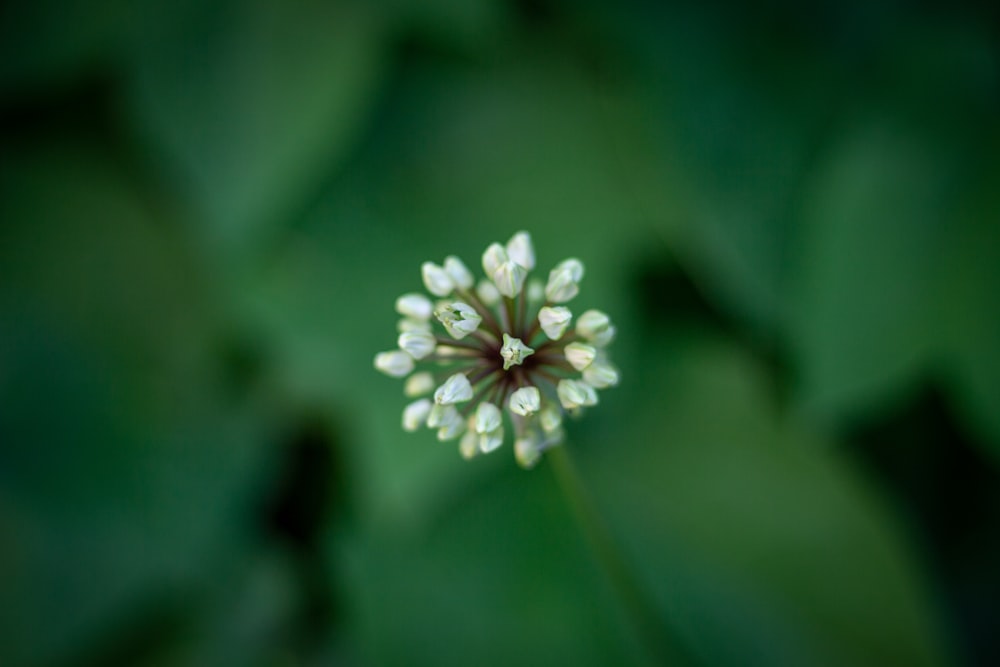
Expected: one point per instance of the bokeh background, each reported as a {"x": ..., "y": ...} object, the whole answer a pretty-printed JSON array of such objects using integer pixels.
[{"x": 207, "y": 209}]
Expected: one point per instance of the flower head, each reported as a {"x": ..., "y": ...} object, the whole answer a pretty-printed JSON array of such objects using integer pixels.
[{"x": 509, "y": 344}]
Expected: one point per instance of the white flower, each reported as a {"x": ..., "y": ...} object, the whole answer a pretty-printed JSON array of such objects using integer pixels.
[
  {"x": 395, "y": 363},
  {"x": 442, "y": 414},
  {"x": 564, "y": 281},
  {"x": 520, "y": 250},
  {"x": 457, "y": 271},
  {"x": 550, "y": 418},
  {"x": 488, "y": 424},
  {"x": 418, "y": 344},
  {"x": 600, "y": 375},
  {"x": 579, "y": 355},
  {"x": 575, "y": 394},
  {"x": 514, "y": 351},
  {"x": 487, "y": 360},
  {"x": 536, "y": 291},
  {"x": 526, "y": 449},
  {"x": 525, "y": 401},
  {"x": 509, "y": 277},
  {"x": 554, "y": 320},
  {"x": 490, "y": 441},
  {"x": 468, "y": 446},
  {"x": 596, "y": 327},
  {"x": 410, "y": 324},
  {"x": 451, "y": 427},
  {"x": 456, "y": 389},
  {"x": 419, "y": 384},
  {"x": 416, "y": 413},
  {"x": 459, "y": 319},
  {"x": 488, "y": 292},
  {"x": 488, "y": 418},
  {"x": 414, "y": 305},
  {"x": 494, "y": 256},
  {"x": 436, "y": 279}
]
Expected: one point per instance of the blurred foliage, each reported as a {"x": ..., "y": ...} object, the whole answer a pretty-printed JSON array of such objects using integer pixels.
[{"x": 207, "y": 209}]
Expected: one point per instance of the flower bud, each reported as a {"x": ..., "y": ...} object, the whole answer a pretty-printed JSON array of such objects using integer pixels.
[
  {"x": 520, "y": 250},
  {"x": 395, "y": 363},
  {"x": 414, "y": 305},
  {"x": 509, "y": 278},
  {"x": 564, "y": 281},
  {"x": 596, "y": 327},
  {"x": 554, "y": 320},
  {"x": 600, "y": 375},
  {"x": 460, "y": 319},
  {"x": 488, "y": 418},
  {"x": 525, "y": 401},
  {"x": 458, "y": 272},
  {"x": 415, "y": 414},
  {"x": 579, "y": 355},
  {"x": 514, "y": 351},
  {"x": 494, "y": 256},
  {"x": 436, "y": 279},
  {"x": 418, "y": 344},
  {"x": 455, "y": 389},
  {"x": 418, "y": 384}
]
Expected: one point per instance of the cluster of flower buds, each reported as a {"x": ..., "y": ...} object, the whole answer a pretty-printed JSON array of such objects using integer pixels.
[{"x": 509, "y": 343}]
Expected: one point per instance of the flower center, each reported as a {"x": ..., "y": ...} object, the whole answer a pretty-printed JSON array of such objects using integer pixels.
[{"x": 514, "y": 351}]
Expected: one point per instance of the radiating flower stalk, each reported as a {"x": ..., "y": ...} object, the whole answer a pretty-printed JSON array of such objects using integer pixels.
[{"x": 506, "y": 344}]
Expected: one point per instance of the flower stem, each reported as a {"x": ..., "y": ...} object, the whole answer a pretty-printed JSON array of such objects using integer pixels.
[{"x": 661, "y": 644}]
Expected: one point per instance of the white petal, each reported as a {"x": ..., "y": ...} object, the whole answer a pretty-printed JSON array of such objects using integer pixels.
[
  {"x": 418, "y": 384},
  {"x": 395, "y": 363},
  {"x": 441, "y": 415},
  {"x": 525, "y": 401},
  {"x": 536, "y": 290},
  {"x": 436, "y": 279},
  {"x": 460, "y": 319},
  {"x": 415, "y": 414},
  {"x": 455, "y": 389},
  {"x": 469, "y": 445},
  {"x": 514, "y": 351},
  {"x": 596, "y": 327},
  {"x": 458, "y": 272},
  {"x": 526, "y": 450},
  {"x": 554, "y": 320},
  {"x": 600, "y": 375},
  {"x": 417, "y": 306},
  {"x": 451, "y": 428},
  {"x": 410, "y": 324},
  {"x": 494, "y": 256},
  {"x": 509, "y": 278},
  {"x": 490, "y": 441},
  {"x": 520, "y": 250},
  {"x": 550, "y": 418},
  {"x": 572, "y": 393},
  {"x": 487, "y": 292},
  {"x": 418, "y": 344},
  {"x": 488, "y": 418},
  {"x": 563, "y": 281},
  {"x": 579, "y": 355}
]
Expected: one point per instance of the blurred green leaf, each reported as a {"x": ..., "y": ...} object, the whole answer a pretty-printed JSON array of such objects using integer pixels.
[
  {"x": 52, "y": 41},
  {"x": 759, "y": 542},
  {"x": 862, "y": 317},
  {"x": 115, "y": 434},
  {"x": 247, "y": 103},
  {"x": 500, "y": 578},
  {"x": 966, "y": 300}
]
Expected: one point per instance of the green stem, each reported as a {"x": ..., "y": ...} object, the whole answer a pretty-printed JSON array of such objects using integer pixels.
[{"x": 663, "y": 647}]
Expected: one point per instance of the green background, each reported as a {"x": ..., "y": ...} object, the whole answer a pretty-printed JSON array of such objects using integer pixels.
[{"x": 207, "y": 209}]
